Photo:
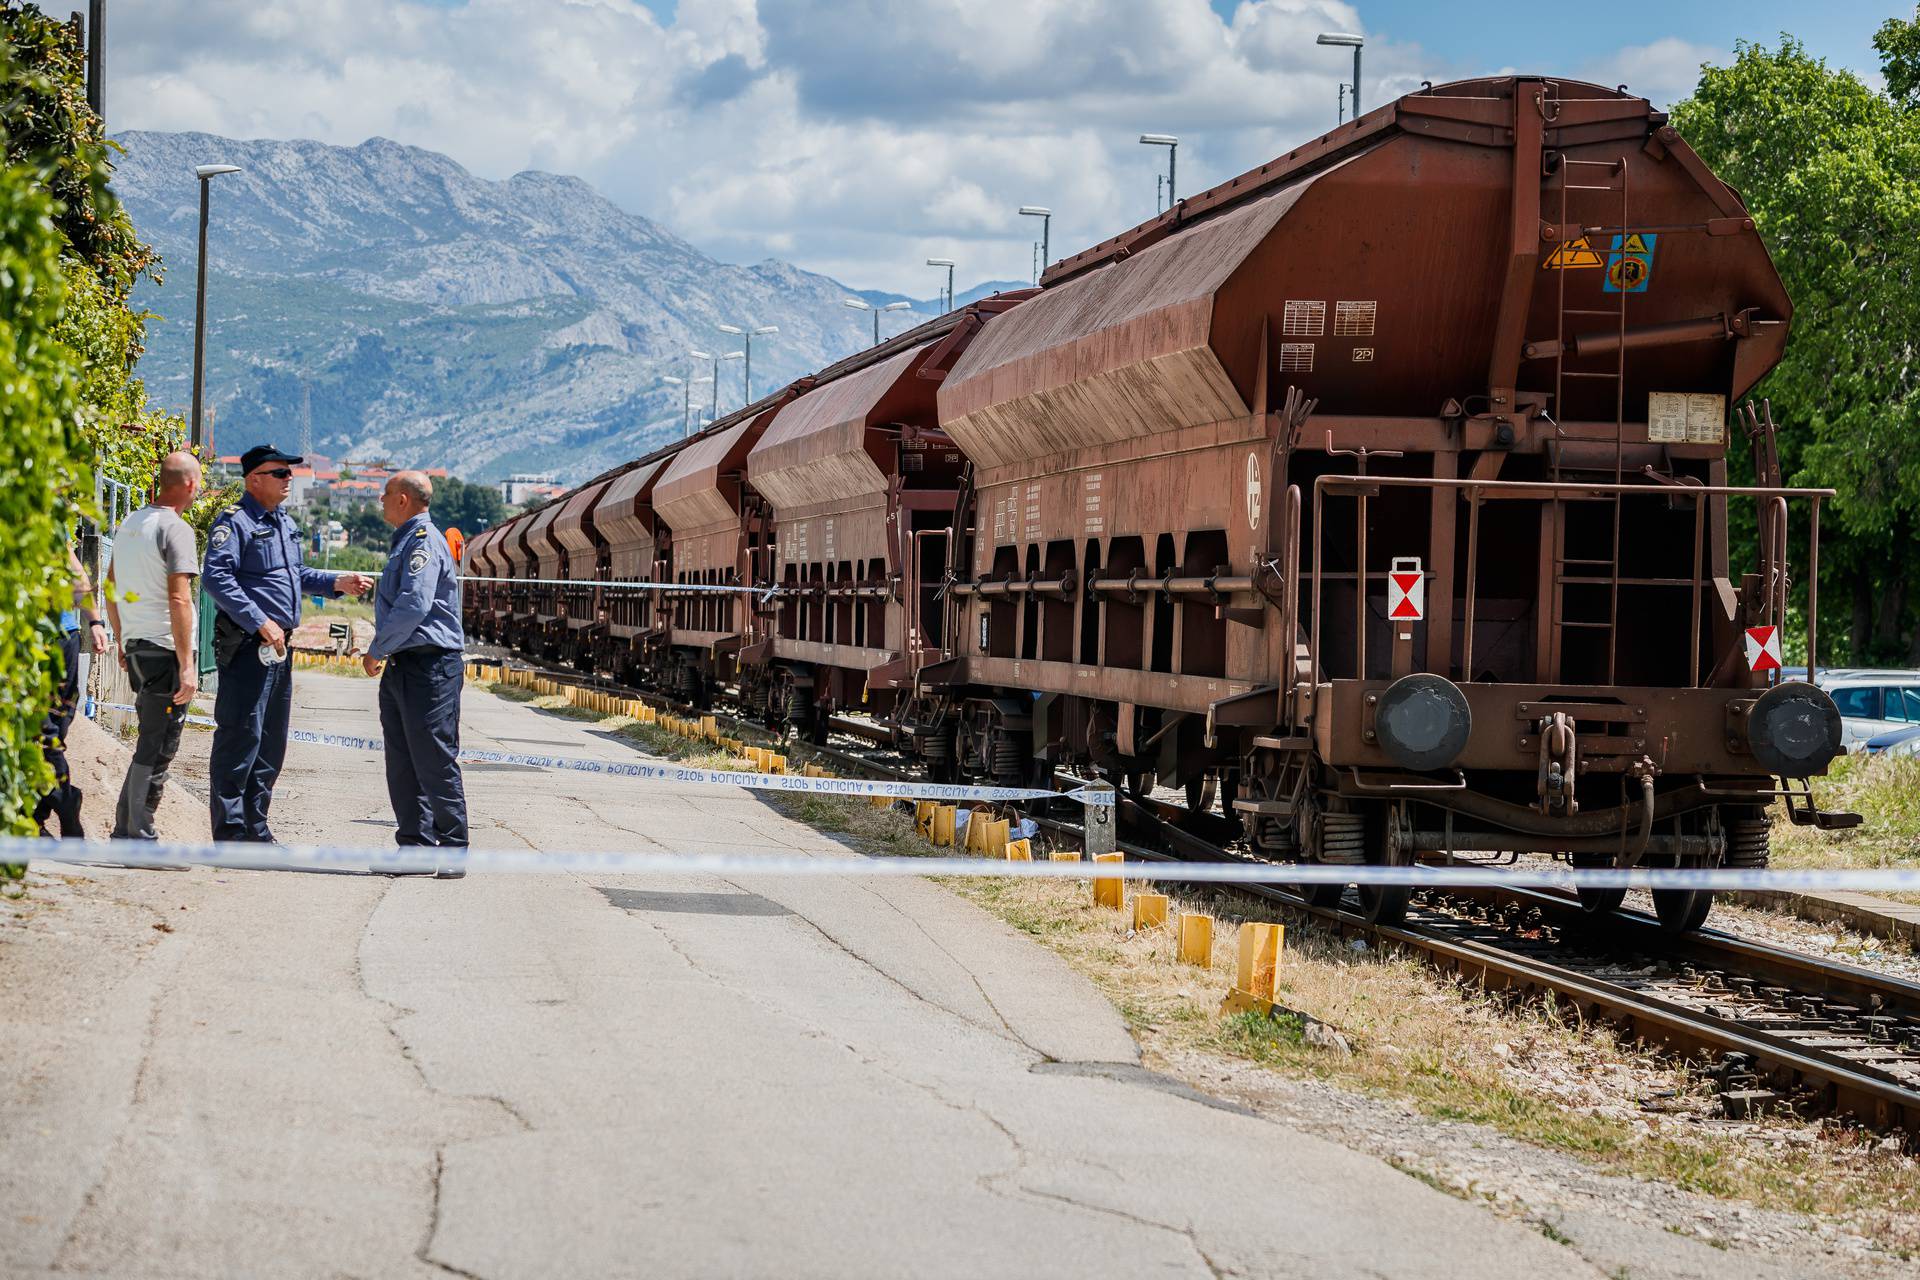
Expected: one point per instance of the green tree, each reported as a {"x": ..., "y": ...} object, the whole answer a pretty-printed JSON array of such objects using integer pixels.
[
  {"x": 466, "y": 507},
  {"x": 1830, "y": 169},
  {"x": 42, "y": 460}
]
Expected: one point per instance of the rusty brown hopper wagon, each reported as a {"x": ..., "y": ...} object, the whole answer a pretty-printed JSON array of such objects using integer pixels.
[
  {"x": 1386, "y": 487},
  {"x": 863, "y": 488},
  {"x": 719, "y": 529},
  {"x": 624, "y": 521},
  {"x": 584, "y": 561}
]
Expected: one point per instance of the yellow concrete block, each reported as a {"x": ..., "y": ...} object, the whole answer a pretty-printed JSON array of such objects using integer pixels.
[
  {"x": 1196, "y": 939},
  {"x": 943, "y": 824},
  {"x": 880, "y": 802},
  {"x": 1064, "y": 855},
  {"x": 1020, "y": 850},
  {"x": 776, "y": 763},
  {"x": 710, "y": 727},
  {"x": 993, "y": 834},
  {"x": 1149, "y": 911},
  {"x": 1109, "y": 892},
  {"x": 923, "y": 816},
  {"x": 1258, "y": 968}
]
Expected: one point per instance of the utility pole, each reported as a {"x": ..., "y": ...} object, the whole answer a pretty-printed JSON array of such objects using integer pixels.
[
  {"x": 1046, "y": 231},
  {"x": 1340, "y": 116},
  {"x": 96, "y": 36},
  {"x": 206, "y": 173},
  {"x": 306, "y": 417}
]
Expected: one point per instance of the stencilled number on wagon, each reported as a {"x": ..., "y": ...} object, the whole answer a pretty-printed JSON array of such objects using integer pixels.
[
  {"x": 985, "y": 623},
  {"x": 1253, "y": 490}
]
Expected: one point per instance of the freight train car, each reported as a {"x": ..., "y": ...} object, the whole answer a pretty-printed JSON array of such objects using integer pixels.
[
  {"x": 1388, "y": 484},
  {"x": 583, "y": 565},
  {"x": 862, "y": 487},
  {"x": 1380, "y": 494},
  {"x": 722, "y": 538}
]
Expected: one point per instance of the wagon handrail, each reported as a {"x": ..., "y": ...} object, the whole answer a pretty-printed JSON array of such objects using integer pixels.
[
  {"x": 1477, "y": 491},
  {"x": 1563, "y": 488}
]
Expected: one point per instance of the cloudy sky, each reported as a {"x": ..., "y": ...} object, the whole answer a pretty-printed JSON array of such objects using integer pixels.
[{"x": 859, "y": 137}]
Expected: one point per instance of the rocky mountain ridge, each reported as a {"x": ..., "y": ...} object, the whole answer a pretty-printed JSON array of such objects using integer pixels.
[{"x": 381, "y": 301}]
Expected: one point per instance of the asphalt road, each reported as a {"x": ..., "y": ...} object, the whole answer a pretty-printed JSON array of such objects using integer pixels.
[{"x": 268, "y": 1074}]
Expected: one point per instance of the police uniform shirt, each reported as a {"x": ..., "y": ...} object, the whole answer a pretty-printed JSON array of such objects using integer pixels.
[
  {"x": 255, "y": 569},
  {"x": 418, "y": 603}
]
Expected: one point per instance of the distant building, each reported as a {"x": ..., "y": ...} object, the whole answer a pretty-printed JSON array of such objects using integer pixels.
[{"x": 518, "y": 490}]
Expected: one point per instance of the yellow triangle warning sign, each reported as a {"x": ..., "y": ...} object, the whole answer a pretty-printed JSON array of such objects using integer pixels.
[
  {"x": 1634, "y": 244},
  {"x": 1574, "y": 253}
]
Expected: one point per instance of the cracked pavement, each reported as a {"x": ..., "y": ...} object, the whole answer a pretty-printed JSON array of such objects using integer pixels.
[{"x": 614, "y": 1076}]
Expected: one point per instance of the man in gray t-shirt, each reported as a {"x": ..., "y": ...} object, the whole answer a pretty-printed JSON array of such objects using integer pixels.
[{"x": 152, "y": 603}]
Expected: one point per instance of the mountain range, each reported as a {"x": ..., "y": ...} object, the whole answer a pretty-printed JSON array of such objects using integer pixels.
[{"x": 379, "y": 301}]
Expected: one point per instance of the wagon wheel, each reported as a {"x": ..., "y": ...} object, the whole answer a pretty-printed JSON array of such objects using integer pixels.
[
  {"x": 1682, "y": 910},
  {"x": 1594, "y": 900},
  {"x": 1320, "y": 834},
  {"x": 1200, "y": 793},
  {"x": 1389, "y": 836}
]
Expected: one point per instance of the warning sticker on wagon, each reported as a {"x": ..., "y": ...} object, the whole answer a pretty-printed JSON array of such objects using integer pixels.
[{"x": 1679, "y": 417}]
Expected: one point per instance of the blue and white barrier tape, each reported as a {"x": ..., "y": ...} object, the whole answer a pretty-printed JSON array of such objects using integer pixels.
[
  {"x": 627, "y": 585},
  {"x": 257, "y": 857},
  {"x": 949, "y": 793}
]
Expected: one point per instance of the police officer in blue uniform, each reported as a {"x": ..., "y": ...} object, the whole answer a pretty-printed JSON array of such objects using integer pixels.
[
  {"x": 417, "y": 634},
  {"x": 255, "y": 573}
]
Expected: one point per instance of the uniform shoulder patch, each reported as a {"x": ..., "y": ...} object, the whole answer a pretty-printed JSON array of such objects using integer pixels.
[
  {"x": 221, "y": 532},
  {"x": 417, "y": 561}
]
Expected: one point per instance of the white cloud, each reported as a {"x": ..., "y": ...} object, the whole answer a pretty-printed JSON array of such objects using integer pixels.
[{"x": 855, "y": 137}]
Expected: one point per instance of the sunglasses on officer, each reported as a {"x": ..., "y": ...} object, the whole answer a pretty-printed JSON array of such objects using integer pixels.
[{"x": 279, "y": 473}]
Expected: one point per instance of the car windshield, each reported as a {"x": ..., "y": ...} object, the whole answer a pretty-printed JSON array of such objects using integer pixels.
[{"x": 1862, "y": 703}]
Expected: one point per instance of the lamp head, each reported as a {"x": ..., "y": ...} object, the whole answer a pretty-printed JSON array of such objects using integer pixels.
[
  {"x": 698, "y": 355},
  {"x": 205, "y": 171},
  {"x": 939, "y": 262},
  {"x": 1036, "y": 211},
  {"x": 896, "y": 306},
  {"x": 1159, "y": 139},
  {"x": 731, "y": 328},
  {"x": 857, "y": 305},
  {"x": 767, "y": 328},
  {"x": 1342, "y": 38},
  {"x": 672, "y": 381}
]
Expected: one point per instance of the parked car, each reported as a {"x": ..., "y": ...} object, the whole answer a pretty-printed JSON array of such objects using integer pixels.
[
  {"x": 1872, "y": 703},
  {"x": 1904, "y": 741}
]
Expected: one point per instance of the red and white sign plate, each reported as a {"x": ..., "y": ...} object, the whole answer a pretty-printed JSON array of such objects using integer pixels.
[
  {"x": 1763, "y": 648},
  {"x": 1406, "y": 590}
]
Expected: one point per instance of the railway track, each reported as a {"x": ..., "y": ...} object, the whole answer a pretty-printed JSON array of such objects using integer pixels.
[{"x": 1783, "y": 1030}]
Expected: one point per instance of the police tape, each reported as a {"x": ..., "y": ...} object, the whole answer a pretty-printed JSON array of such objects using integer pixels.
[
  {"x": 627, "y": 585},
  {"x": 947, "y": 792},
  {"x": 735, "y": 866}
]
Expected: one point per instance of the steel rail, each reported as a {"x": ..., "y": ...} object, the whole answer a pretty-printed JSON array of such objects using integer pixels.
[{"x": 1825, "y": 1080}]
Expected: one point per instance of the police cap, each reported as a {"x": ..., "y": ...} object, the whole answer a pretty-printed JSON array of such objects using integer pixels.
[{"x": 261, "y": 454}]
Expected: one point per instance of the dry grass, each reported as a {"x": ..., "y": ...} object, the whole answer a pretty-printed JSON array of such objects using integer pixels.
[
  {"x": 1450, "y": 1050},
  {"x": 1885, "y": 790}
]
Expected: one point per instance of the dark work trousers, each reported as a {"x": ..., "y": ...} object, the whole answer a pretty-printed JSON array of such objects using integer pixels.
[
  {"x": 64, "y": 800},
  {"x": 420, "y": 718},
  {"x": 154, "y": 672},
  {"x": 250, "y": 714}
]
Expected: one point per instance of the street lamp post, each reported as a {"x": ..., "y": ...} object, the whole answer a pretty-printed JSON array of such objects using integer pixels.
[
  {"x": 206, "y": 173},
  {"x": 748, "y": 334},
  {"x": 859, "y": 305},
  {"x": 731, "y": 355},
  {"x": 1343, "y": 39},
  {"x": 1046, "y": 228},
  {"x": 686, "y": 399},
  {"x": 948, "y": 264},
  {"x": 1172, "y": 144}
]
